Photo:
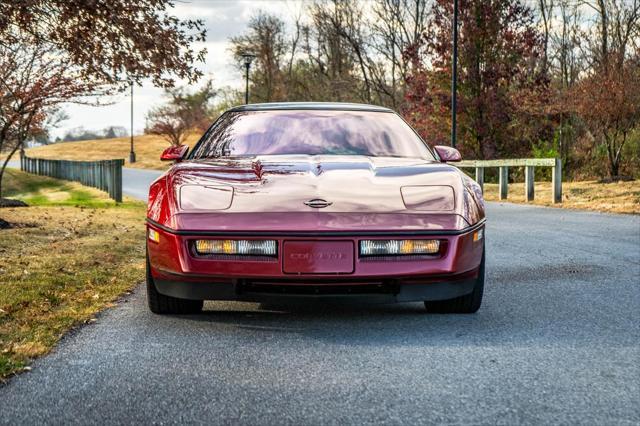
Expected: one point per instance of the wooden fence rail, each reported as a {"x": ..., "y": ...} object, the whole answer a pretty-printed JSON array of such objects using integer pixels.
[
  {"x": 105, "y": 175},
  {"x": 529, "y": 165}
]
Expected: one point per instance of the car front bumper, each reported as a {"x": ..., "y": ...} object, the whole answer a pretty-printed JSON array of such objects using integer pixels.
[
  {"x": 178, "y": 272},
  {"x": 247, "y": 291}
]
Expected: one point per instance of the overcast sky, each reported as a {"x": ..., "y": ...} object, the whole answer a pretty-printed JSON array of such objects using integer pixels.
[{"x": 223, "y": 19}]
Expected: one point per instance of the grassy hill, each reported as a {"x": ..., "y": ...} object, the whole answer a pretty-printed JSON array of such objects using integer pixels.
[{"x": 147, "y": 147}]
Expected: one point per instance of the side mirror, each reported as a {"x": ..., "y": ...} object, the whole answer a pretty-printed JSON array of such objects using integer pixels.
[
  {"x": 448, "y": 154},
  {"x": 174, "y": 153}
]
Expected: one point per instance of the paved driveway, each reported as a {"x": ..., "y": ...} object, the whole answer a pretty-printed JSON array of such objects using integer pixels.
[
  {"x": 556, "y": 341},
  {"x": 136, "y": 182}
]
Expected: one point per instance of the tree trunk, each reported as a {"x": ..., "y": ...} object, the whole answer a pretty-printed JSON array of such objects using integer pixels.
[
  {"x": 614, "y": 167},
  {"x": 604, "y": 43},
  {"x": 545, "y": 24},
  {"x": 4, "y": 165},
  {"x": 614, "y": 164}
]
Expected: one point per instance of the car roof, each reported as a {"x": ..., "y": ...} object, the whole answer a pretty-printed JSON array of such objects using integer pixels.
[{"x": 332, "y": 106}]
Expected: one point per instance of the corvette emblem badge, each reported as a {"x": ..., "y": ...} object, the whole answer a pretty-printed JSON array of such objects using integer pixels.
[{"x": 318, "y": 203}]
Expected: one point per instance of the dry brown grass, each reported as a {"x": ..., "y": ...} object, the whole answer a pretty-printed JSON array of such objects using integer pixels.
[
  {"x": 60, "y": 264},
  {"x": 147, "y": 147},
  {"x": 616, "y": 197}
]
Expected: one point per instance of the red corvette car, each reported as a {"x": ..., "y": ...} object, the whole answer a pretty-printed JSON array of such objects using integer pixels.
[{"x": 314, "y": 200}]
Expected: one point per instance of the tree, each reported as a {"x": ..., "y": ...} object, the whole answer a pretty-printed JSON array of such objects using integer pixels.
[
  {"x": 265, "y": 39},
  {"x": 526, "y": 69},
  {"x": 338, "y": 52},
  {"x": 341, "y": 25},
  {"x": 398, "y": 25},
  {"x": 114, "y": 132},
  {"x": 617, "y": 31},
  {"x": 609, "y": 103},
  {"x": 56, "y": 51},
  {"x": 82, "y": 134},
  {"x": 607, "y": 97},
  {"x": 34, "y": 80},
  {"x": 499, "y": 47},
  {"x": 564, "y": 63},
  {"x": 545, "y": 7},
  {"x": 114, "y": 41},
  {"x": 183, "y": 113}
]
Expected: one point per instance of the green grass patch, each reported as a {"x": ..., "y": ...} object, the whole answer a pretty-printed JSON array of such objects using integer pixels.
[
  {"x": 69, "y": 255},
  {"x": 45, "y": 191},
  {"x": 16, "y": 182}
]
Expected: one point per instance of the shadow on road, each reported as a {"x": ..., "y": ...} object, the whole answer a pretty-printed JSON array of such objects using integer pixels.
[{"x": 409, "y": 324}]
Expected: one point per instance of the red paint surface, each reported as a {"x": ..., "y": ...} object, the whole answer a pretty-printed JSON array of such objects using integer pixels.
[
  {"x": 364, "y": 192},
  {"x": 448, "y": 154},
  {"x": 174, "y": 153}
]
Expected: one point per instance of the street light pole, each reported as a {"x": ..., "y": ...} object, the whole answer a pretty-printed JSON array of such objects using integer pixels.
[
  {"x": 454, "y": 75},
  {"x": 247, "y": 57},
  {"x": 132, "y": 154},
  {"x": 246, "y": 83}
]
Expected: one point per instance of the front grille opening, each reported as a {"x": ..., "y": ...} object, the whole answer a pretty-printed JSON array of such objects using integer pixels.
[{"x": 320, "y": 290}]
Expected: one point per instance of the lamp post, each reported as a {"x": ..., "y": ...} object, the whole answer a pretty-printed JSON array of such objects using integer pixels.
[
  {"x": 132, "y": 153},
  {"x": 247, "y": 58},
  {"x": 454, "y": 75}
]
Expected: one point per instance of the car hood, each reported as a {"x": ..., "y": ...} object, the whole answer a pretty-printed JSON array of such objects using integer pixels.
[{"x": 388, "y": 189}]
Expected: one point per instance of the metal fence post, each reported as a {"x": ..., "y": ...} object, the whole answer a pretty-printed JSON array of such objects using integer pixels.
[
  {"x": 480, "y": 177},
  {"x": 529, "y": 179},
  {"x": 504, "y": 182},
  {"x": 557, "y": 181},
  {"x": 110, "y": 178},
  {"x": 118, "y": 192}
]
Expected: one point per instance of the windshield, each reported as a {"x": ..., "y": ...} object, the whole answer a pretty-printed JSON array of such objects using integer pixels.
[{"x": 310, "y": 132}]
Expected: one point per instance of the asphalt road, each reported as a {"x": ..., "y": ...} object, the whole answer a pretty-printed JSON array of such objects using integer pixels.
[
  {"x": 136, "y": 182},
  {"x": 555, "y": 342}
]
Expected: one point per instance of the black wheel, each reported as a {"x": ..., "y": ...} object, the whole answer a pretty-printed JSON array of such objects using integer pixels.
[
  {"x": 467, "y": 304},
  {"x": 161, "y": 304}
]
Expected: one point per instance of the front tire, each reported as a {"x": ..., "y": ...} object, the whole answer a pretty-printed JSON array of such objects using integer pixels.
[
  {"x": 161, "y": 304},
  {"x": 467, "y": 304}
]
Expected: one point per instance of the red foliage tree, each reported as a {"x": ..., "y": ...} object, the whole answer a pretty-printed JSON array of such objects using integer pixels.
[
  {"x": 608, "y": 100},
  {"x": 183, "y": 113},
  {"x": 35, "y": 79},
  {"x": 498, "y": 75},
  {"x": 113, "y": 40}
]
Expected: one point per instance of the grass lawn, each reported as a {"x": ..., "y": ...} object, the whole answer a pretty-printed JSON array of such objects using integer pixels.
[
  {"x": 147, "y": 147},
  {"x": 70, "y": 254},
  {"x": 616, "y": 197}
]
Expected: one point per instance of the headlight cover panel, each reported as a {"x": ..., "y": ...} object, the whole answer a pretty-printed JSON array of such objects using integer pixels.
[
  {"x": 205, "y": 197},
  {"x": 433, "y": 198}
]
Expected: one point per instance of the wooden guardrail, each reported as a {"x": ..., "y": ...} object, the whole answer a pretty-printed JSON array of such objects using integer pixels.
[
  {"x": 105, "y": 175},
  {"x": 529, "y": 165}
]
